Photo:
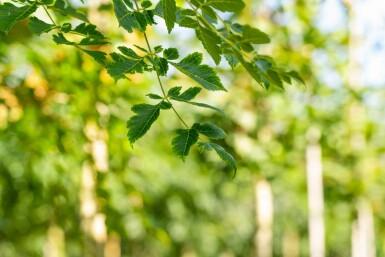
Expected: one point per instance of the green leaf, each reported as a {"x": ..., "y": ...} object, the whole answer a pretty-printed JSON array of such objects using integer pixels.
[
  {"x": 254, "y": 36},
  {"x": 161, "y": 66},
  {"x": 146, "y": 4},
  {"x": 222, "y": 153},
  {"x": 227, "y": 5},
  {"x": 201, "y": 73},
  {"x": 171, "y": 54},
  {"x": 169, "y": 13},
  {"x": 174, "y": 92},
  {"x": 187, "y": 95},
  {"x": 65, "y": 9},
  {"x": 10, "y": 14},
  {"x": 208, "y": 107},
  {"x": 158, "y": 49},
  {"x": 146, "y": 115},
  {"x": 210, "y": 42},
  {"x": 125, "y": 63},
  {"x": 210, "y": 130},
  {"x": 185, "y": 139},
  {"x": 88, "y": 30},
  {"x": 188, "y": 22},
  {"x": 98, "y": 56},
  {"x": 296, "y": 77},
  {"x": 154, "y": 96},
  {"x": 38, "y": 27},
  {"x": 61, "y": 40},
  {"x": 125, "y": 17}
]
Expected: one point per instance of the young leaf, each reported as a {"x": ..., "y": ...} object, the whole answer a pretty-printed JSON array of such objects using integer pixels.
[
  {"x": 125, "y": 17},
  {"x": 125, "y": 63},
  {"x": 146, "y": 115},
  {"x": 210, "y": 130},
  {"x": 227, "y": 5},
  {"x": 222, "y": 153},
  {"x": 185, "y": 139},
  {"x": 201, "y": 73},
  {"x": 169, "y": 13},
  {"x": 187, "y": 95},
  {"x": 38, "y": 27},
  {"x": 210, "y": 42},
  {"x": 10, "y": 14}
]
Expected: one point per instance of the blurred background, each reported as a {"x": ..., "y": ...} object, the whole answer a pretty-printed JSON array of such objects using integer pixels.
[{"x": 311, "y": 160}]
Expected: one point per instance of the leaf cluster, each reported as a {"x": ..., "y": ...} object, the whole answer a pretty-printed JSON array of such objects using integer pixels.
[{"x": 222, "y": 39}]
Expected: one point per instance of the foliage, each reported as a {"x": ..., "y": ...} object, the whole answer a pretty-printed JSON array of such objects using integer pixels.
[{"x": 234, "y": 41}]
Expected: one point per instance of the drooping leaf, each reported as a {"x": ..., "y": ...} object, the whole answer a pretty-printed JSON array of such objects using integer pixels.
[
  {"x": 98, "y": 56},
  {"x": 201, "y": 73},
  {"x": 126, "y": 17},
  {"x": 125, "y": 63},
  {"x": 210, "y": 42},
  {"x": 187, "y": 95},
  {"x": 185, "y": 139},
  {"x": 38, "y": 27},
  {"x": 210, "y": 130},
  {"x": 154, "y": 96},
  {"x": 227, "y": 5},
  {"x": 11, "y": 14},
  {"x": 296, "y": 76},
  {"x": 146, "y": 115},
  {"x": 169, "y": 13},
  {"x": 221, "y": 112},
  {"x": 222, "y": 153}
]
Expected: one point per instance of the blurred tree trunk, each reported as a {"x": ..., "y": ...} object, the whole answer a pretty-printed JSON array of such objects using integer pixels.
[
  {"x": 264, "y": 210},
  {"x": 363, "y": 242},
  {"x": 315, "y": 194}
]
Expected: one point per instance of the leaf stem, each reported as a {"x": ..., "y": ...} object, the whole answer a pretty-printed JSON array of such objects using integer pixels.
[
  {"x": 49, "y": 15},
  {"x": 158, "y": 77}
]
